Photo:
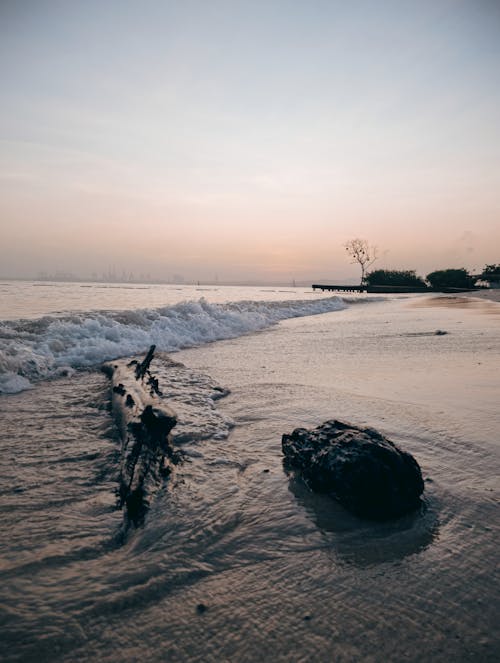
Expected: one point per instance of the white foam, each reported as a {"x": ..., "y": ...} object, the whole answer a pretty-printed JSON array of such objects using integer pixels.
[
  {"x": 12, "y": 383},
  {"x": 37, "y": 349}
]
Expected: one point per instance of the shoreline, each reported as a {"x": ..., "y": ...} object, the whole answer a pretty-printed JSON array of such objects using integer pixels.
[
  {"x": 237, "y": 536},
  {"x": 481, "y": 300},
  {"x": 492, "y": 294}
]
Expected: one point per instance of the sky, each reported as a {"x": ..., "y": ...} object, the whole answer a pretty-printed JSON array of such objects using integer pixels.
[{"x": 248, "y": 141}]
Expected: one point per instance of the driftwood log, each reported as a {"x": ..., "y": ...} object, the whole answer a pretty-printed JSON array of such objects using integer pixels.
[{"x": 145, "y": 424}]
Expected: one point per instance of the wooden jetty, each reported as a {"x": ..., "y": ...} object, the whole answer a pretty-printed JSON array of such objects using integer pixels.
[
  {"x": 386, "y": 289},
  {"x": 339, "y": 288}
]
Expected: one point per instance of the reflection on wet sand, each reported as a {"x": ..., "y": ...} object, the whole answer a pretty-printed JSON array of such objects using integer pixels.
[
  {"x": 476, "y": 303},
  {"x": 365, "y": 542}
]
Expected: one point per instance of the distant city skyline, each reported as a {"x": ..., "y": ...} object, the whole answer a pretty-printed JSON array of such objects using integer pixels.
[{"x": 248, "y": 140}]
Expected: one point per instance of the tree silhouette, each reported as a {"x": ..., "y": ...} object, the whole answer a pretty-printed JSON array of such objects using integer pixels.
[
  {"x": 395, "y": 277},
  {"x": 490, "y": 270},
  {"x": 450, "y": 278},
  {"x": 360, "y": 252}
]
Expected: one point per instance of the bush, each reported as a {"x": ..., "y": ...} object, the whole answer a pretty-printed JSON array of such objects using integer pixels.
[
  {"x": 490, "y": 270},
  {"x": 394, "y": 277},
  {"x": 450, "y": 278}
]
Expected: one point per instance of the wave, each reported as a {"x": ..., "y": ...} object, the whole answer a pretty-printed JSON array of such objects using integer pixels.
[{"x": 31, "y": 350}]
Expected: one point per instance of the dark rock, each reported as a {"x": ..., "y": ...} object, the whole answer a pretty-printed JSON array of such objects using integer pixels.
[
  {"x": 201, "y": 608},
  {"x": 359, "y": 467}
]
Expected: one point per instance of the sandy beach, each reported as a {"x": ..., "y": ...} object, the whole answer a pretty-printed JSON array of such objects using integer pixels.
[
  {"x": 237, "y": 559},
  {"x": 492, "y": 294},
  {"x": 482, "y": 301}
]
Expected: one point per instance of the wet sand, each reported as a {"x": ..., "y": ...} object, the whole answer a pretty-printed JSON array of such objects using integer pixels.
[
  {"x": 483, "y": 301},
  {"x": 491, "y": 294},
  {"x": 418, "y": 591},
  {"x": 237, "y": 559}
]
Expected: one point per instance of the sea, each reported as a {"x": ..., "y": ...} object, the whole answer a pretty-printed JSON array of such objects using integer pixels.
[{"x": 237, "y": 560}]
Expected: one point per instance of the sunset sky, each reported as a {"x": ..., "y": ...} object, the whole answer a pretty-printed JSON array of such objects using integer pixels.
[{"x": 248, "y": 140}]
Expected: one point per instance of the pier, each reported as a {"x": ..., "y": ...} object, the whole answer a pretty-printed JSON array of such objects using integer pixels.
[
  {"x": 386, "y": 289},
  {"x": 339, "y": 288}
]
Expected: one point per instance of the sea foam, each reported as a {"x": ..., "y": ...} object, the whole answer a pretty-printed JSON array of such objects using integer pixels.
[{"x": 31, "y": 350}]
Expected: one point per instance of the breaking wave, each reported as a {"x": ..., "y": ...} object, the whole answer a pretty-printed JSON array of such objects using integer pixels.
[{"x": 31, "y": 350}]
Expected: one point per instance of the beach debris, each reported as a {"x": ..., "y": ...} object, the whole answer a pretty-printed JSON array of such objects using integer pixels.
[
  {"x": 363, "y": 470},
  {"x": 145, "y": 423},
  {"x": 437, "y": 332}
]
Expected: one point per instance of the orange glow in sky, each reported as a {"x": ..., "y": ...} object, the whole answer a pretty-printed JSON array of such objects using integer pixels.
[{"x": 248, "y": 140}]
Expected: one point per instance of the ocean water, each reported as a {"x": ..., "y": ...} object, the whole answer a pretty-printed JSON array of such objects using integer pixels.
[{"x": 283, "y": 574}]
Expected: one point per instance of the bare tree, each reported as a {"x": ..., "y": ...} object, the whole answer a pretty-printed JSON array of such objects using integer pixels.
[{"x": 360, "y": 252}]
